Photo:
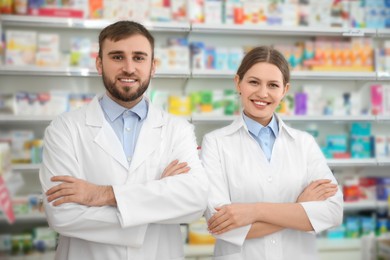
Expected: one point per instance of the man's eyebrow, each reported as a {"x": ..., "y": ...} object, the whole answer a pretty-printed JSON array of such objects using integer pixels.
[
  {"x": 140, "y": 53},
  {"x": 115, "y": 52},
  {"x": 122, "y": 52}
]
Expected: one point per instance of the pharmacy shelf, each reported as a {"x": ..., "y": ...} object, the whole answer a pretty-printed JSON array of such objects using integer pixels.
[
  {"x": 323, "y": 245},
  {"x": 364, "y": 205},
  {"x": 77, "y": 72},
  {"x": 352, "y": 162},
  {"x": 37, "y": 217},
  {"x": 383, "y": 75},
  {"x": 97, "y": 24},
  {"x": 161, "y": 73},
  {"x": 16, "y": 119},
  {"x": 72, "y": 23},
  {"x": 212, "y": 74},
  {"x": 298, "y": 118},
  {"x": 28, "y": 167},
  {"x": 383, "y": 162},
  {"x": 329, "y": 118},
  {"x": 47, "y": 255},
  {"x": 383, "y": 119},
  {"x": 295, "y": 75},
  {"x": 47, "y": 71},
  {"x": 334, "y": 163},
  {"x": 338, "y": 244},
  {"x": 215, "y": 119},
  {"x": 198, "y": 250},
  {"x": 187, "y": 73},
  {"x": 333, "y": 75},
  {"x": 385, "y": 33},
  {"x": 212, "y": 119},
  {"x": 280, "y": 30}
]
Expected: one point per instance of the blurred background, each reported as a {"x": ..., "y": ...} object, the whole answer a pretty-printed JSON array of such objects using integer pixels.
[{"x": 339, "y": 53}]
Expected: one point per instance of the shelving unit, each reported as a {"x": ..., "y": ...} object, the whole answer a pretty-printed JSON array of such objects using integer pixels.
[{"x": 251, "y": 33}]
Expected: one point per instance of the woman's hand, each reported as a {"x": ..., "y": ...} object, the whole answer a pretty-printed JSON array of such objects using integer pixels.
[
  {"x": 318, "y": 190},
  {"x": 175, "y": 168},
  {"x": 231, "y": 216}
]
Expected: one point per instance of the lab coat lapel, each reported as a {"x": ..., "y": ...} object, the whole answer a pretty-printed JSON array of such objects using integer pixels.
[
  {"x": 103, "y": 134},
  {"x": 149, "y": 138}
]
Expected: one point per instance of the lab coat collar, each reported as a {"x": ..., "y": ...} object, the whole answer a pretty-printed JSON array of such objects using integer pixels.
[
  {"x": 239, "y": 123},
  {"x": 285, "y": 128},
  {"x": 148, "y": 139}
]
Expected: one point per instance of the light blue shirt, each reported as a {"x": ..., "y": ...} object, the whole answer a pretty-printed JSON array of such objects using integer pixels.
[
  {"x": 126, "y": 123},
  {"x": 265, "y": 136}
]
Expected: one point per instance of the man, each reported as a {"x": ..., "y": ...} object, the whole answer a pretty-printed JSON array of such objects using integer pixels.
[{"x": 111, "y": 174}]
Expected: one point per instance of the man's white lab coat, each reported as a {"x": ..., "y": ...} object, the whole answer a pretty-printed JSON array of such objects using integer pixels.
[
  {"x": 240, "y": 173},
  {"x": 145, "y": 224}
]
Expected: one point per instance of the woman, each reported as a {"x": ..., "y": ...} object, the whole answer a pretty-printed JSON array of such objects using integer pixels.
[{"x": 271, "y": 188}]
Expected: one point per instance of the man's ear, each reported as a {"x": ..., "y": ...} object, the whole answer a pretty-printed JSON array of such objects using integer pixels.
[
  {"x": 153, "y": 69},
  {"x": 99, "y": 65}
]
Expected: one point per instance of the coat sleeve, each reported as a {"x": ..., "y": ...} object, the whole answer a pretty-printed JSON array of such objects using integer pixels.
[
  {"x": 322, "y": 214},
  {"x": 95, "y": 224},
  {"x": 219, "y": 190},
  {"x": 171, "y": 200}
]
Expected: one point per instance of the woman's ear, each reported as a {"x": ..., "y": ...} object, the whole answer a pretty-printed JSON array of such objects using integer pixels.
[
  {"x": 236, "y": 82},
  {"x": 286, "y": 89}
]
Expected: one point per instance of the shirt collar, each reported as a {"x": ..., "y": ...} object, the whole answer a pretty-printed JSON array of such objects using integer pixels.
[
  {"x": 113, "y": 110},
  {"x": 255, "y": 128}
]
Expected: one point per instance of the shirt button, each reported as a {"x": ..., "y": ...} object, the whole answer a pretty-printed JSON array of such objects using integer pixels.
[
  {"x": 129, "y": 158},
  {"x": 128, "y": 129},
  {"x": 269, "y": 179}
]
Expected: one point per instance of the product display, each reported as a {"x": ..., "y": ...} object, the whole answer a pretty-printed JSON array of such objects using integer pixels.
[{"x": 339, "y": 90}]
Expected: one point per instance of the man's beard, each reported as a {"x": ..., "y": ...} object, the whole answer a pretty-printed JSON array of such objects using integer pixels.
[{"x": 127, "y": 96}]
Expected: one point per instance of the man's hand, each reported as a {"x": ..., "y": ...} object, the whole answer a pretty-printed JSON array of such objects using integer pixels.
[
  {"x": 73, "y": 190},
  {"x": 318, "y": 190},
  {"x": 231, "y": 216},
  {"x": 175, "y": 168}
]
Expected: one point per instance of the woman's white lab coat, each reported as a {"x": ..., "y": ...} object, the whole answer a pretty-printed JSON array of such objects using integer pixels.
[
  {"x": 239, "y": 172},
  {"x": 145, "y": 224}
]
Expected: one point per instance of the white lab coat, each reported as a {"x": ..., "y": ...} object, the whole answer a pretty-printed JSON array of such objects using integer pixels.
[
  {"x": 239, "y": 172},
  {"x": 145, "y": 224}
]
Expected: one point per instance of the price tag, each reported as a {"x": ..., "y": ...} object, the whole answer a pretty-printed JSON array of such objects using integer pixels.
[
  {"x": 5, "y": 202},
  {"x": 353, "y": 33},
  {"x": 383, "y": 74}
]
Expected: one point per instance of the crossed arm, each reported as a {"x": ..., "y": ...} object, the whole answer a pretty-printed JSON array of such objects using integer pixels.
[
  {"x": 74, "y": 190},
  {"x": 268, "y": 218}
]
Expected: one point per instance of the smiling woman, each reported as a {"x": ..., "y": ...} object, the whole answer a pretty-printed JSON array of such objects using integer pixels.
[
  {"x": 261, "y": 90},
  {"x": 282, "y": 188}
]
